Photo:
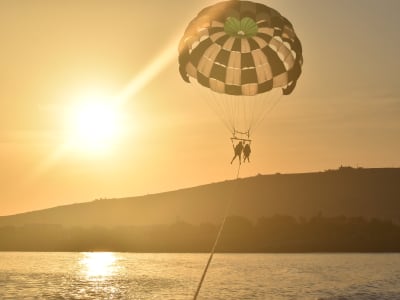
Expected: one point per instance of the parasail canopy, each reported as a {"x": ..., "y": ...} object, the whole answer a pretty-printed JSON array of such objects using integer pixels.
[{"x": 243, "y": 49}]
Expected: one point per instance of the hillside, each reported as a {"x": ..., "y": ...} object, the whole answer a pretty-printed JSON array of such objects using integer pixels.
[{"x": 345, "y": 192}]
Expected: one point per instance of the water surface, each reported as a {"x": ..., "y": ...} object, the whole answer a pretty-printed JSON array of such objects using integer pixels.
[{"x": 25, "y": 275}]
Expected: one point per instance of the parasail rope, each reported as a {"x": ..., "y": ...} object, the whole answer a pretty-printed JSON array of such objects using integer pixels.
[
  {"x": 221, "y": 228},
  {"x": 265, "y": 114}
]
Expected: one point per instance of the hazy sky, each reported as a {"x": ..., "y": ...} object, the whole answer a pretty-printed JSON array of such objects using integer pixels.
[{"x": 344, "y": 111}]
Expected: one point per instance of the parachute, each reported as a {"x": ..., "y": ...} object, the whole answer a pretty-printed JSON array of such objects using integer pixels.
[{"x": 246, "y": 55}]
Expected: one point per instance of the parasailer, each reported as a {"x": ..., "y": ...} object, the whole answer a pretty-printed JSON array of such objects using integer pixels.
[
  {"x": 246, "y": 152},
  {"x": 246, "y": 55},
  {"x": 238, "y": 152}
]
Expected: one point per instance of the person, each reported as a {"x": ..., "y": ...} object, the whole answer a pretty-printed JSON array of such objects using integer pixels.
[
  {"x": 246, "y": 152},
  {"x": 238, "y": 152}
]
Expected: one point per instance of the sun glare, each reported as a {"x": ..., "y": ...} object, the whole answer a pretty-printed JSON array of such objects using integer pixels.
[
  {"x": 99, "y": 264},
  {"x": 94, "y": 125}
]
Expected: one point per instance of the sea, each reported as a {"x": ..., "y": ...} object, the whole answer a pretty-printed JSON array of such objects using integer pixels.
[{"x": 109, "y": 275}]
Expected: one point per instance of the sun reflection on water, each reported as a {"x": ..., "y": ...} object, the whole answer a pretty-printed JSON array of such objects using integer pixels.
[{"x": 99, "y": 264}]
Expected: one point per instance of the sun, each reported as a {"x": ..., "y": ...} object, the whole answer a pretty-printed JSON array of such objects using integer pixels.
[{"x": 95, "y": 125}]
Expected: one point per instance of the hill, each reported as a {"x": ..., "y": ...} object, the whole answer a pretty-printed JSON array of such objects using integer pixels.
[{"x": 370, "y": 193}]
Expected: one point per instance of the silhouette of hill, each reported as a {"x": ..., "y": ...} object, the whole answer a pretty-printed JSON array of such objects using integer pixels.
[{"x": 350, "y": 192}]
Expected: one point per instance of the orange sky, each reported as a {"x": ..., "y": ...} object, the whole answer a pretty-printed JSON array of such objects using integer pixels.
[{"x": 345, "y": 109}]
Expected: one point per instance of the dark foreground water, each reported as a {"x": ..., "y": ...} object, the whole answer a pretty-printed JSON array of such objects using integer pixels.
[{"x": 175, "y": 276}]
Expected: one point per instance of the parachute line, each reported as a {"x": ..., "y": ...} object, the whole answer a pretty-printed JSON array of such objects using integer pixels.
[
  {"x": 266, "y": 111},
  {"x": 240, "y": 113}
]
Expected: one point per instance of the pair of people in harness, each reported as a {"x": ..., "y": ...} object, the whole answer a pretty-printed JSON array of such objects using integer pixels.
[{"x": 238, "y": 149}]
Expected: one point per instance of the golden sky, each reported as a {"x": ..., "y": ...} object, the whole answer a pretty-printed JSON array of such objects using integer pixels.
[{"x": 57, "y": 55}]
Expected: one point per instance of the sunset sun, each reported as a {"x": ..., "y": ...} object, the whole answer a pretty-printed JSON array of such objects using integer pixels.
[{"x": 94, "y": 125}]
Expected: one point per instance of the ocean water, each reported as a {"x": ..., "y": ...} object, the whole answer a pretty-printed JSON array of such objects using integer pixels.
[{"x": 25, "y": 275}]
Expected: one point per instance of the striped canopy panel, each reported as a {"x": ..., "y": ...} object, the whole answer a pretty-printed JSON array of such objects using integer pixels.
[{"x": 241, "y": 48}]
